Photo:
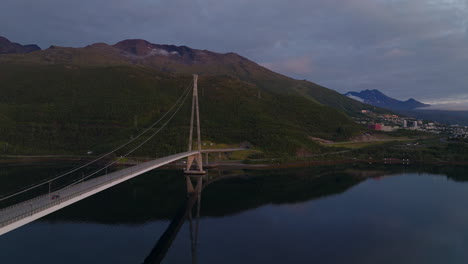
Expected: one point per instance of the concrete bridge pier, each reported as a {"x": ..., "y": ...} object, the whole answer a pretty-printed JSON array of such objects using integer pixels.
[{"x": 197, "y": 158}]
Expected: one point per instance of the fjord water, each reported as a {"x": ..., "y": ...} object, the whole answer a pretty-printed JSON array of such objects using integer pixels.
[{"x": 315, "y": 215}]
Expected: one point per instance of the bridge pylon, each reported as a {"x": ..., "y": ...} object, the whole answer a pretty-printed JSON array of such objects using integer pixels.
[{"x": 195, "y": 114}]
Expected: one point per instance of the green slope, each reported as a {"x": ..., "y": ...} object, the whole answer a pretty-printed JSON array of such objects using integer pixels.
[
  {"x": 191, "y": 61},
  {"x": 71, "y": 108}
]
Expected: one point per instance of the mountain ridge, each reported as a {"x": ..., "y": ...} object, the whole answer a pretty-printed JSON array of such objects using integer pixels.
[
  {"x": 410, "y": 107},
  {"x": 185, "y": 60},
  {"x": 100, "y": 94},
  {"x": 379, "y": 99},
  {"x": 8, "y": 47}
]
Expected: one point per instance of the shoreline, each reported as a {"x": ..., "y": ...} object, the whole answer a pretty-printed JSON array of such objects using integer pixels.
[{"x": 35, "y": 160}]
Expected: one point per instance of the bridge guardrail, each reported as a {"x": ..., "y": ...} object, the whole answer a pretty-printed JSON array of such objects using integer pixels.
[
  {"x": 85, "y": 186},
  {"x": 26, "y": 213}
]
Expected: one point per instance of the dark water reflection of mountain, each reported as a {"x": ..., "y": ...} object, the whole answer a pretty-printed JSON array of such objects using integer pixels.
[
  {"x": 366, "y": 213},
  {"x": 158, "y": 195}
]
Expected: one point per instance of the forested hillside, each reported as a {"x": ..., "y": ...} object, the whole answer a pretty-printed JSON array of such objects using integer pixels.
[{"x": 73, "y": 100}]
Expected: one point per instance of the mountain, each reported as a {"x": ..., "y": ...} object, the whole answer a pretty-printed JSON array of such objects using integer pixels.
[
  {"x": 410, "y": 107},
  {"x": 185, "y": 60},
  {"x": 100, "y": 95},
  {"x": 7, "y": 47},
  {"x": 377, "y": 98}
]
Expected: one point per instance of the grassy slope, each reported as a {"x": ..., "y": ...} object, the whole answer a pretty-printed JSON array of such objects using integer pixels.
[
  {"x": 229, "y": 65},
  {"x": 56, "y": 105},
  {"x": 70, "y": 109},
  {"x": 236, "y": 66}
]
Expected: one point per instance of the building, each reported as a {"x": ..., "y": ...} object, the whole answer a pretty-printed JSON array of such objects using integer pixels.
[
  {"x": 388, "y": 128},
  {"x": 375, "y": 126}
]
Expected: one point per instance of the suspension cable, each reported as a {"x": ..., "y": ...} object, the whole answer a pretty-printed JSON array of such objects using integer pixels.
[
  {"x": 183, "y": 95},
  {"x": 131, "y": 151}
]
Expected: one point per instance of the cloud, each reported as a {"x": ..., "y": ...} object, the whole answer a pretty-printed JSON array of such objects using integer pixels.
[
  {"x": 458, "y": 103},
  {"x": 416, "y": 48},
  {"x": 299, "y": 66},
  {"x": 394, "y": 53},
  {"x": 461, "y": 106}
]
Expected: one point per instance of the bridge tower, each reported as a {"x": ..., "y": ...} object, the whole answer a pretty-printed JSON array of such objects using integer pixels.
[{"x": 195, "y": 114}]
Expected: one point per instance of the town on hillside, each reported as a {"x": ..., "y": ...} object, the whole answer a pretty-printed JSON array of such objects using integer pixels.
[{"x": 393, "y": 122}]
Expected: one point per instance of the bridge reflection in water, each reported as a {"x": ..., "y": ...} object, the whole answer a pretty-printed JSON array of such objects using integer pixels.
[
  {"x": 189, "y": 211},
  {"x": 186, "y": 212}
]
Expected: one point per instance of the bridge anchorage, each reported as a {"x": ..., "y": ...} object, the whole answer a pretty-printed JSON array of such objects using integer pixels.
[{"x": 197, "y": 158}]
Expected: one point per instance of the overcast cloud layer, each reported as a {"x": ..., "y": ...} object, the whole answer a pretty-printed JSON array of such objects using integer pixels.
[{"x": 405, "y": 48}]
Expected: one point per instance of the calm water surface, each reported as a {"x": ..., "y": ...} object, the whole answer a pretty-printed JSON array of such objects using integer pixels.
[{"x": 317, "y": 215}]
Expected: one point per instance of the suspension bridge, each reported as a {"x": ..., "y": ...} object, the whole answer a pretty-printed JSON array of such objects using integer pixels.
[{"x": 26, "y": 211}]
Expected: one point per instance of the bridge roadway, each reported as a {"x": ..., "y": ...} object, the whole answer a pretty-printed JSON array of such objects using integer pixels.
[{"x": 25, "y": 212}]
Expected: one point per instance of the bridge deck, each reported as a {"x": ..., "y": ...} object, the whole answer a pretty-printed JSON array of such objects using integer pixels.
[
  {"x": 25, "y": 212},
  {"x": 20, "y": 214},
  {"x": 221, "y": 150}
]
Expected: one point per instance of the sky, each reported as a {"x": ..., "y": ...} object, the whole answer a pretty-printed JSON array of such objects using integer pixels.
[{"x": 404, "y": 48}]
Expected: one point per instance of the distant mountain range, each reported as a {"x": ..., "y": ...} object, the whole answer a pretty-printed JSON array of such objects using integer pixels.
[
  {"x": 115, "y": 90},
  {"x": 185, "y": 60},
  {"x": 377, "y": 98},
  {"x": 410, "y": 107},
  {"x": 8, "y": 47}
]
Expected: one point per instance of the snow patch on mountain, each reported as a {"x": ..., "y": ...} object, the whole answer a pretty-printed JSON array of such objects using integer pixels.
[{"x": 359, "y": 99}]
